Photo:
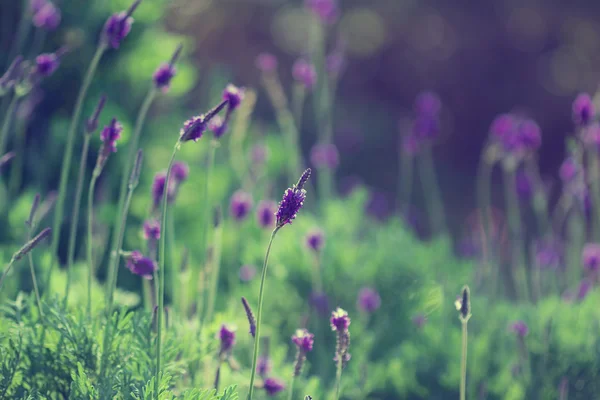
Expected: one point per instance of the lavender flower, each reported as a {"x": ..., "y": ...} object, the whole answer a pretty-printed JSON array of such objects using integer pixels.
[
  {"x": 304, "y": 73},
  {"x": 463, "y": 304},
  {"x": 266, "y": 62},
  {"x": 368, "y": 300},
  {"x": 152, "y": 230},
  {"x": 326, "y": 10},
  {"x": 194, "y": 127},
  {"x": 591, "y": 257},
  {"x": 110, "y": 134},
  {"x": 163, "y": 75},
  {"x": 250, "y": 316},
  {"x": 315, "y": 240},
  {"x": 46, "y": 16},
  {"x": 264, "y": 366},
  {"x": 240, "y": 205},
  {"x": 583, "y": 109},
  {"x": 247, "y": 272},
  {"x": 292, "y": 202},
  {"x": 233, "y": 95},
  {"x": 227, "y": 338},
  {"x": 180, "y": 172},
  {"x": 265, "y": 213},
  {"x": 427, "y": 104},
  {"x": 319, "y": 302},
  {"x": 92, "y": 123},
  {"x": 548, "y": 253},
  {"x": 36, "y": 5},
  {"x": 519, "y": 328},
  {"x": 340, "y": 323},
  {"x": 273, "y": 386},
  {"x": 303, "y": 340},
  {"x": 140, "y": 265},
  {"x": 568, "y": 170},
  {"x": 158, "y": 189},
  {"x": 118, "y": 26},
  {"x": 46, "y": 64},
  {"x": 325, "y": 156}
]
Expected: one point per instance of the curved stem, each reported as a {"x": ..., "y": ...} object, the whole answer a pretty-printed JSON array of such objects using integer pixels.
[
  {"x": 90, "y": 241},
  {"x": 8, "y": 118},
  {"x": 338, "y": 378},
  {"x": 75, "y": 216},
  {"x": 68, "y": 155},
  {"x": 133, "y": 146},
  {"x": 34, "y": 281},
  {"x": 463, "y": 362},
  {"x": 259, "y": 314},
  {"x": 161, "y": 272}
]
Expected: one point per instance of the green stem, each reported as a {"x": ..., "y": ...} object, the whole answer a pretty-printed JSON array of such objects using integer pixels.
[
  {"x": 133, "y": 146},
  {"x": 34, "y": 280},
  {"x": 259, "y": 314},
  {"x": 68, "y": 155},
  {"x": 6, "y": 270},
  {"x": 463, "y": 362},
  {"x": 291, "y": 392},
  {"x": 4, "y": 133},
  {"x": 90, "y": 240},
  {"x": 75, "y": 218},
  {"x": 216, "y": 267},
  {"x": 338, "y": 378},
  {"x": 161, "y": 271},
  {"x": 432, "y": 193},
  {"x": 172, "y": 264}
]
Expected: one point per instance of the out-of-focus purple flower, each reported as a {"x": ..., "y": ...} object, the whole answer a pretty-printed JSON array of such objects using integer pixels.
[
  {"x": 152, "y": 229},
  {"x": 591, "y": 257},
  {"x": 305, "y": 73},
  {"x": 419, "y": 321},
  {"x": 319, "y": 302},
  {"x": 180, "y": 171},
  {"x": 503, "y": 126},
  {"x": 340, "y": 321},
  {"x": 265, "y": 213},
  {"x": 118, "y": 26},
  {"x": 315, "y": 240},
  {"x": 263, "y": 366},
  {"x": 273, "y": 386},
  {"x": 266, "y": 62},
  {"x": 591, "y": 135},
  {"x": 218, "y": 126},
  {"x": 227, "y": 339},
  {"x": 110, "y": 134},
  {"x": 193, "y": 129},
  {"x": 531, "y": 135},
  {"x": 425, "y": 127},
  {"x": 583, "y": 109},
  {"x": 163, "y": 75},
  {"x": 515, "y": 135},
  {"x": 368, "y": 300},
  {"x": 568, "y": 170},
  {"x": 523, "y": 185},
  {"x": 140, "y": 265},
  {"x": 325, "y": 156},
  {"x": 36, "y": 5},
  {"x": 47, "y": 16},
  {"x": 92, "y": 123},
  {"x": 158, "y": 189},
  {"x": 259, "y": 154},
  {"x": 428, "y": 104},
  {"x": 240, "y": 205},
  {"x": 519, "y": 328},
  {"x": 46, "y": 64},
  {"x": 326, "y": 10},
  {"x": 584, "y": 287},
  {"x": 548, "y": 253},
  {"x": 292, "y": 202},
  {"x": 234, "y": 95},
  {"x": 247, "y": 272},
  {"x": 304, "y": 340}
]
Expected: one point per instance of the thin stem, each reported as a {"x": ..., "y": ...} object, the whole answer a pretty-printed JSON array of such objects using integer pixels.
[
  {"x": 75, "y": 219},
  {"x": 161, "y": 271},
  {"x": 216, "y": 267},
  {"x": 133, "y": 146},
  {"x": 4, "y": 133},
  {"x": 68, "y": 155},
  {"x": 291, "y": 392},
  {"x": 90, "y": 240},
  {"x": 32, "y": 269},
  {"x": 432, "y": 193},
  {"x": 338, "y": 378},
  {"x": 259, "y": 314},
  {"x": 463, "y": 362}
]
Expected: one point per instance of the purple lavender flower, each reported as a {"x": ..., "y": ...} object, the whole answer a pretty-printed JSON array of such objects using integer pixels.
[
  {"x": 273, "y": 386},
  {"x": 118, "y": 26},
  {"x": 305, "y": 73},
  {"x": 292, "y": 202},
  {"x": 234, "y": 96},
  {"x": 519, "y": 328},
  {"x": 110, "y": 134},
  {"x": 240, "y": 205},
  {"x": 250, "y": 316},
  {"x": 502, "y": 127},
  {"x": 140, "y": 265},
  {"x": 548, "y": 253},
  {"x": 46, "y": 64},
  {"x": 368, "y": 300},
  {"x": 152, "y": 230},
  {"x": 568, "y": 170},
  {"x": 419, "y": 321},
  {"x": 303, "y": 340},
  {"x": 247, "y": 272},
  {"x": 92, "y": 123},
  {"x": 265, "y": 213},
  {"x": 315, "y": 240},
  {"x": 266, "y": 62},
  {"x": 523, "y": 185},
  {"x": 46, "y": 16},
  {"x": 325, "y": 156},
  {"x": 591, "y": 257},
  {"x": 340, "y": 323},
  {"x": 36, "y": 5},
  {"x": 583, "y": 289},
  {"x": 218, "y": 126},
  {"x": 326, "y": 10},
  {"x": 263, "y": 366},
  {"x": 163, "y": 75},
  {"x": 158, "y": 189},
  {"x": 193, "y": 129},
  {"x": 319, "y": 302},
  {"x": 583, "y": 109},
  {"x": 227, "y": 338},
  {"x": 530, "y": 134},
  {"x": 180, "y": 171}
]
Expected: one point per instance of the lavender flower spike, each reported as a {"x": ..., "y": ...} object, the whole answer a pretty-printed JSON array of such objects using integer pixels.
[
  {"x": 92, "y": 123},
  {"x": 304, "y": 341},
  {"x": 340, "y": 323},
  {"x": 194, "y": 127},
  {"x": 140, "y": 265},
  {"x": 118, "y": 26},
  {"x": 250, "y": 315},
  {"x": 292, "y": 202},
  {"x": 165, "y": 72},
  {"x": 273, "y": 386}
]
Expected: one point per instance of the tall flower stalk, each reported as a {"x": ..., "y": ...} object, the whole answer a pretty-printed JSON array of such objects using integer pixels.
[
  {"x": 117, "y": 27},
  {"x": 304, "y": 341},
  {"x": 340, "y": 321},
  {"x": 292, "y": 202},
  {"x": 464, "y": 307}
]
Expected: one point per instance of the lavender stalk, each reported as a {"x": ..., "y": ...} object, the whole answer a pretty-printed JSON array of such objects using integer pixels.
[
  {"x": 340, "y": 323},
  {"x": 464, "y": 308},
  {"x": 23, "y": 251}
]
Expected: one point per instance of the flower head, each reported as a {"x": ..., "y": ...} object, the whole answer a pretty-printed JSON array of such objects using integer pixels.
[
  {"x": 320, "y": 302},
  {"x": 47, "y": 16},
  {"x": 227, "y": 338},
  {"x": 368, "y": 300},
  {"x": 194, "y": 127},
  {"x": 163, "y": 75},
  {"x": 463, "y": 304},
  {"x": 218, "y": 126},
  {"x": 158, "y": 188},
  {"x": 140, "y": 265},
  {"x": 118, "y": 26},
  {"x": 427, "y": 104},
  {"x": 110, "y": 134},
  {"x": 234, "y": 96},
  {"x": 263, "y": 366},
  {"x": 568, "y": 170},
  {"x": 266, "y": 62},
  {"x": 92, "y": 123},
  {"x": 273, "y": 386},
  {"x": 339, "y": 320},
  {"x": 304, "y": 340},
  {"x": 46, "y": 64},
  {"x": 250, "y": 316},
  {"x": 152, "y": 229},
  {"x": 180, "y": 171},
  {"x": 340, "y": 323},
  {"x": 519, "y": 328},
  {"x": 325, "y": 156},
  {"x": 591, "y": 257},
  {"x": 305, "y": 73},
  {"x": 247, "y": 272},
  {"x": 583, "y": 109},
  {"x": 265, "y": 213},
  {"x": 240, "y": 205},
  {"x": 315, "y": 240},
  {"x": 292, "y": 202}
]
